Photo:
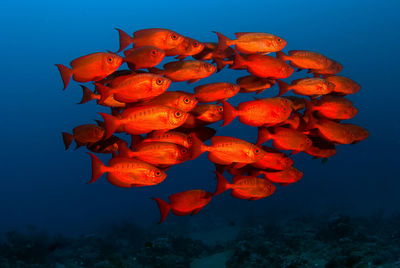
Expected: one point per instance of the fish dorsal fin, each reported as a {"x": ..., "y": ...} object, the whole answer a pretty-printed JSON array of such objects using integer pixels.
[{"x": 240, "y": 34}]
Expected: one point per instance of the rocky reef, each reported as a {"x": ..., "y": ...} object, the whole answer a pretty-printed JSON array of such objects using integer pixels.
[{"x": 336, "y": 240}]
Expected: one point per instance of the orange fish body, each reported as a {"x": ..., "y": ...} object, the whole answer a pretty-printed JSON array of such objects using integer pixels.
[
  {"x": 132, "y": 88},
  {"x": 252, "y": 83},
  {"x": 188, "y": 47},
  {"x": 215, "y": 92},
  {"x": 298, "y": 103},
  {"x": 184, "y": 203},
  {"x": 262, "y": 112},
  {"x": 83, "y": 135},
  {"x": 273, "y": 159},
  {"x": 330, "y": 130},
  {"x": 91, "y": 67},
  {"x": 321, "y": 148},
  {"x": 303, "y": 59},
  {"x": 144, "y": 119},
  {"x": 333, "y": 69},
  {"x": 158, "y": 153},
  {"x": 143, "y": 57},
  {"x": 245, "y": 187},
  {"x": 126, "y": 172},
  {"x": 263, "y": 66},
  {"x": 334, "y": 107},
  {"x": 186, "y": 70},
  {"x": 162, "y": 38},
  {"x": 307, "y": 86},
  {"x": 287, "y": 176},
  {"x": 170, "y": 136},
  {"x": 228, "y": 150},
  {"x": 343, "y": 85},
  {"x": 358, "y": 133},
  {"x": 252, "y": 43},
  {"x": 285, "y": 139},
  {"x": 89, "y": 95},
  {"x": 209, "y": 113},
  {"x": 176, "y": 99}
]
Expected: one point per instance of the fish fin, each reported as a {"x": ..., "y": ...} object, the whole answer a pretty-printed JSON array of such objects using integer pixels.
[
  {"x": 124, "y": 39},
  {"x": 124, "y": 151},
  {"x": 283, "y": 87},
  {"x": 114, "y": 154},
  {"x": 221, "y": 63},
  {"x": 229, "y": 113},
  {"x": 87, "y": 95},
  {"x": 254, "y": 198},
  {"x": 220, "y": 168},
  {"x": 295, "y": 152},
  {"x": 222, "y": 184},
  {"x": 66, "y": 74},
  {"x": 180, "y": 57},
  {"x": 195, "y": 211},
  {"x": 155, "y": 70},
  {"x": 190, "y": 81},
  {"x": 135, "y": 139},
  {"x": 131, "y": 66},
  {"x": 260, "y": 91},
  {"x": 223, "y": 43},
  {"x": 100, "y": 123},
  {"x": 164, "y": 208},
  {"x": 238, "y": 165},
  {"x": 312, "y": 123},
  {"x": 180, "y": 213},
  {"x": 299, "y": 70},
  {"x": 198, "y": 147},
  {"x": 234, "y": 193},
  {"x": 282, "y": 56},
  {"x": 67, "y": 138},
  {"x": 263, "y": 135},
  {"x": 104, "y": 91},
  {"x": 239, "y": 61},
  {"x": 112, "y": 123},
  {"x": 98, "y": 168}
]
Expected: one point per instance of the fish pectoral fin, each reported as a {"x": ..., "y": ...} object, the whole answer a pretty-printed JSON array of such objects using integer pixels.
[
  {"x": 254, "y": 198},
  {"x": 238, "y": 165},
  {"x": 190, "y": 81},
  {"x": 180, "y": 213},
  {"x": 197, "y": 210}
]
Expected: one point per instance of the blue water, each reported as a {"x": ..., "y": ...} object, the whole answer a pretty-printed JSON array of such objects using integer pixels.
[{"x": 43, "y": 185}]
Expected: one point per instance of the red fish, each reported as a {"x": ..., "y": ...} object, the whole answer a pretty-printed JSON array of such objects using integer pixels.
[
  {"x": 285, "y": 139},
  {"x": 252, "y": 83},
  {"x": 303, "y": 59},
  {"x": 144, "y": 119},
  {"x": 210, "y": 52},
  {"x": 307, "y": 86},
  {"x": 261, "y": 112},
  {"x": 188, "y": 47},
  {"x": 209, "y": 113},
  {"x": 263, "y": 66},
  {"x": 176, "y": 137},
  {"x": 334, "y": 107},
  {"x": 110, "y": 145},
  {"x": 343, "y": 85},
  {"x": 273, "y": 159},
  {"x": 132, "y": 88},
  {"x": 334, "y": 68},
  {"x": 321, "y": 148},
  {"x": 215, "y": 92},
  {"x": 228, "y": 150},
  {"x": 284, "y": 177},
  {"x": 162, "y": 38},
  {"x": 177, "y": 99},
  {"x": 187, "y": 70},
  {"x": 143, "y": 57},
  {"x": 252, "y": 43},
  {"x": 92, "y": 67},
  {"x": 126, "y": 172},
  {"x": 89, "y": 95},
  {"x": 245, "y": 187},
  {"x": 83, "y": 135},
  {"x": 358, "y": 133},
  {"x": 202, "y": 133},
  {"x": 184, "y": 203}
]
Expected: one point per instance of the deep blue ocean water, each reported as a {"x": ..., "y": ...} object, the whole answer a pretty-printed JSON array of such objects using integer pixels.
[{"x": 43, "y": 185}]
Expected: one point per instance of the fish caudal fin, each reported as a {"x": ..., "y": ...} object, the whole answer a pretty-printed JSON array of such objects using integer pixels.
[
  {"x": 223, "y": 43},
  {"x": 282, "y": 56},
  {"x": 124, "y": 151},
  {"x": 87, "y": 95},
  {"x": 222, "y": 184},
  {"x": 97, "y": 168},
  {"x": 124, "y": 40},
  {"x": 164, "y": 208},
  {"x": 230, "y": 113},
  {"x": 112, "y": 123},
  {"x": 283, "y": 87},
  {"x": 104, "y": 91},
  {"x": 263, "y": 135},
  {"x": 66, "y": 74},
  {"x": 198, "y": 147},
  {"x": 221, "y": 63},
  {"x": 312, "y": 122},
  {"x": 67, "y": 138},
  {"x": 239, "y": 62}
]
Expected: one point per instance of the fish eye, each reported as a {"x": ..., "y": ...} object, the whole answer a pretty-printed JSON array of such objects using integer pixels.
[
  {"x": 257, "y": 151},
  {"x": 157, "y": 173},
  {"x": 284, "y": 109},
  {"x": 220, "y": 108},
  {"x": 195, "y": 44},
  {"x": 278, "y": 39},
  {"x": 183, "y": 150},
  {"x": 159, "y": 81},
  {"x": 178, "y": 114},
  {"x": 186, "y": 100},
  {"x": 110, "y": 59},
  {"x": 153, "y": 52},
  {"x": 189, "y": 139},
  {"x": 308, "y": 140},
  {"x": 174, "y": 36}
]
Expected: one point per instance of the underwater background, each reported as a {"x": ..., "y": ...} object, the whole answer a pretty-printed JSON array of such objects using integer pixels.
[{"x": 343, "y": 213}]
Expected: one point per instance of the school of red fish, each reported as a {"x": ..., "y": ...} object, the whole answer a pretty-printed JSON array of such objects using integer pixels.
[{"x": 171, "y": 127}]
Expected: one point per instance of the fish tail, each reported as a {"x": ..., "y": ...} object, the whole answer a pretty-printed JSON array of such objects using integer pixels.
[
  {"x": 239, "y": 61},
  {"x": 230, "y": 113},
  {"x": 87, "y": 95},
  {"x": 223, "y": 43},
  {"x": 124, "y": 151},
  {"x": 221, "y": 63},
  {"x": 198, "y": 147},
  {"x": 222, "y": 184},
  {"x": 66, "y": 74},
  {"x": 155, "y": 70},
  {"x": 112, "y": 123},
  {"x": 164, "y": 208},
  {"x": 104, "y": 91},
  {"x": 124, "y": 40},
  {"x": 283, "y": 87},
  {"x": 312, "y": 123},
  {"x": 98, "y": 168},
  {"x": 263, "y": 135},
  {"x": 67, "y": 138},
  {"x": 282, "y": 56},
  {"x": 135, "y": 140}
]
